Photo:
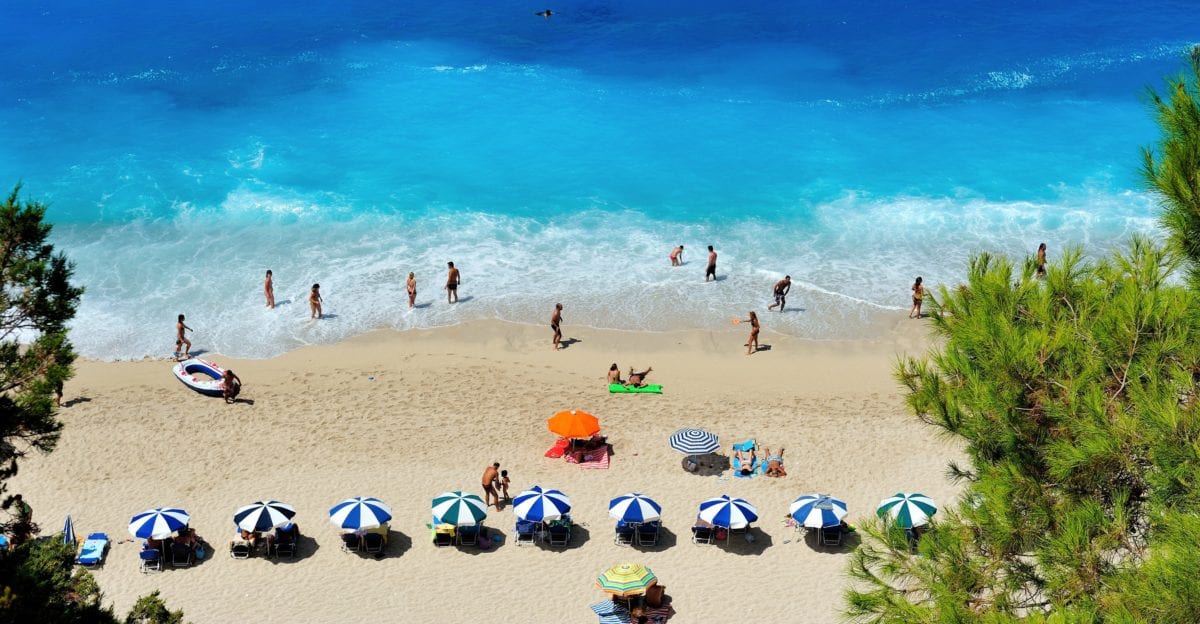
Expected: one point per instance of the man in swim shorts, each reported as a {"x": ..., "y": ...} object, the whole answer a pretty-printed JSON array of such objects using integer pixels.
[
  {"x": 781, "y": 290},
  {"x": 491, "y": 476},
  {"x": 452, "y": 280},
  {"x": 556, "y": 325},
  {"x": 677, "y": 256},
  {"x": 711, "y": 271}
]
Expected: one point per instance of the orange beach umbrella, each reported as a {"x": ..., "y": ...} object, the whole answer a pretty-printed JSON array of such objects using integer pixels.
[{"x": 574, "y": 424}]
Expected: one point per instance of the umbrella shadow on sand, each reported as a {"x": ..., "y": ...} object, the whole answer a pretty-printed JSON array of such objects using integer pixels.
[
  {"x": 666, "y": 539},
  {"x": 579, "y": 536},
  {"x": 740, "y": 545},
  {"x": 709, "y": 465},
  {"x": 492, "y": 534},
  {"x": 850, "y": 541},
  {"x": 306, "y": 546}
]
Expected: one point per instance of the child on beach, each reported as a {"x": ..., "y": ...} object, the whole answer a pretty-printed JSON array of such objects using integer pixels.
[
  {"x": 504, "y": 486},
  {"x": 182, "y": 344}
]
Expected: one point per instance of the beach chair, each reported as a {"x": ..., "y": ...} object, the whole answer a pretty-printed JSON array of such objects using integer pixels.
[
  {"x": 560, "y": 532},
  {"x": 182, "y": 555},
  {"x": 285, "y": 548},
  {"x": 151, "y": 560},
  {"x": 91, "y": 554},
  {"x": 351, "y": 542},
  {"x": 526, "y": 531},
  {"x": 830, "y": 536},
  {"x": 442, "y": 537},
  {"x": 702, "y": 535},
  {"x": 239, "y": 549},
  {"x": 373, "y": 543},
  {"x": 647, "y": 534},
  {"x": 468, "y": 535},
  {"x": 624, "y": 534}
]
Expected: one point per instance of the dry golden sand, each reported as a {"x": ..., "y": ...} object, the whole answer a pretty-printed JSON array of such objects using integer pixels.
[{"x": 405, "y": 416}]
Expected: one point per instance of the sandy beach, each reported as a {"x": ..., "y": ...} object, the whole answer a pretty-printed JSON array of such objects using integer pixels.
[{"x": 404, "y": 416}]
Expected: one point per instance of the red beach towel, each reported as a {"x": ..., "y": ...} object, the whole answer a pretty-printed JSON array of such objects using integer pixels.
[
  {"x": 596, "y": 460},
  {"x": 558, "y": 449}
]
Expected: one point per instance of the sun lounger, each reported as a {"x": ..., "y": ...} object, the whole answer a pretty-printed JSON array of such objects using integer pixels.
[
  {"x": 239, "y": 549},
  {"x": 468, "y": 535},
  {"x": 560, "y": 532},
  {"x": 373, "y": 543},
  {"x": 624, "y": 534},
  {"x": 285, "y": 548},
  {"x": 830, "y": 536},
  {"x": 351, "y": 542},
  {"x": 443, "y": 535},
  {"x": 182, "y": 555},
  {"x": 647, "y": 533},
  {"x": 526, "y": 531},
  {"x": 702, "y": 535},
  {"x": 91, "y": 554},
  {"x": 151, "y": 560}
]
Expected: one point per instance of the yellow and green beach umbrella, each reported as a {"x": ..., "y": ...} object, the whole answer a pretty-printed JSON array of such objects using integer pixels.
[{"x": 626, "y": 579}]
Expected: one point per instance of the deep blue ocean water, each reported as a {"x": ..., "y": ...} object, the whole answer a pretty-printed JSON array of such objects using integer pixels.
[{"x": 185, "y": 147}]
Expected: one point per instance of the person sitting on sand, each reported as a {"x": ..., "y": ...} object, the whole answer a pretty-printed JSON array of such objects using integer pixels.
[
  {"x": 775, "y": 463},
  {"x": 746, "y": 462},
  {"x": 230, "y": 386},
  {"x": 614, "y": 374},
  {"x": 637, "y": 380}
]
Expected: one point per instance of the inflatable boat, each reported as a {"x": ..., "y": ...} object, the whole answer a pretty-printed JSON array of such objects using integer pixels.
[{"x": 201, "y": 375}]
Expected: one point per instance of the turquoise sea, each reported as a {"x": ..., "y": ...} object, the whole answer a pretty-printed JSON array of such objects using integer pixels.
[{"x": 186, "y": 147}]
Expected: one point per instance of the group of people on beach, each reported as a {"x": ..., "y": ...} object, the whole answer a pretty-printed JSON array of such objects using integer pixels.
[
  {"x": 918, "y": 288},
  {"x": 453, "y": 278}
]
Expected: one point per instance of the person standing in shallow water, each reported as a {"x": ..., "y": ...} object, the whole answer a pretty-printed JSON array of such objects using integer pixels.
[
  {"x": 556, "y": 325},
  {"x": 711, "y": 271},
  {"x": 269, "y": 290},
  {"x": 183, "y": 346},
  {"x": 918, "y": 294},
  {"x": 453, "y": 279},
  {"x": 411, "y": 287},
  {"x": 1041, "y": 260},
  {"x": 314, "y": 302},
  {"x": 677, "y": 256}
]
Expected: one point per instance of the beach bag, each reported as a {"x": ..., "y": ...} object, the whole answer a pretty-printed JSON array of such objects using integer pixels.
[{"x": 200, "y": 553}]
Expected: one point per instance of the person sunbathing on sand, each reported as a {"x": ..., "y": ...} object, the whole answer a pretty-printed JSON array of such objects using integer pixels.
[
  {"x": 637, "y": 380},
  {"x": 775, "y": 463},
  {"x": 614, "y": 374},
  {"x": 746, "y": 462}
]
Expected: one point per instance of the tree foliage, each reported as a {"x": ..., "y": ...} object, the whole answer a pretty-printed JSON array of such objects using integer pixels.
[
  {"x": 152, "y": 610},
  {"x": 1075, "y": 398},
  {"x": 1173, "y": 170},
  {"x": 36, "y": 302}
]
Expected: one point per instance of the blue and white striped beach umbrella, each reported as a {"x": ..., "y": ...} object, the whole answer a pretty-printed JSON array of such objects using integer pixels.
[
  {"x": 261, "y": 516},
  {"x": 693, "y": 441},
  {"x": 634, "y": 507},
  {"x": 908, "y": 510},
  {"x": 538, "y": 505},
  {"x": 611, "y": 613},
  {"x": 358, "y": 513},
  {"x": 158, "y": 523},
  {"x": 818, "y": 511},
  {"x": 69, "y": 532},
  {"x": 726, "y": 512}
]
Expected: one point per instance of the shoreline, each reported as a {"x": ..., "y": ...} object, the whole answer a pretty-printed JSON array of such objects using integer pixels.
[{"x": 404, "y": 416}]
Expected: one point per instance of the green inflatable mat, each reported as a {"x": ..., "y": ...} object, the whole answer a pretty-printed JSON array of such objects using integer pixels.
[{"x": 646, "y": 389}]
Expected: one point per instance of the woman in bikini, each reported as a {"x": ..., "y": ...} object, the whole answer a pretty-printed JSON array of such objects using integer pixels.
[
  {"x": 411, "y": 287},
  {"x": 1041, "y": 260},
  {"x": 747, "y": 463},
  {"x": 752, "y": 343},
  {"x": 918, "y": 294},
  {"x": 314, "y": 302},
  {"x": 614, "y": 374}
]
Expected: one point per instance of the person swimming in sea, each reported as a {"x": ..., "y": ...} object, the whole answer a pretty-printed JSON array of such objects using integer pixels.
[{"x": 545, "y": 14}]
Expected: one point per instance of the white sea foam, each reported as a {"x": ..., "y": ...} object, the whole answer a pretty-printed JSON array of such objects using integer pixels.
[{"x": 849, "y": 259}]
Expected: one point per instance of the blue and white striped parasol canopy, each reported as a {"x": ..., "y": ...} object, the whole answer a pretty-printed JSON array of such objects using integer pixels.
[
  {"x": 358, "y": 513},
  {"x": 634, "y": 507},
  {"x": 261, "y": 516},
  {"x": 726, "y": 512},
  {"x": 693, "y": 441},
  {"x": 818, "y": 511},
  {"x": 158, "y": 523},
  {"x": 538, "y": 505}
]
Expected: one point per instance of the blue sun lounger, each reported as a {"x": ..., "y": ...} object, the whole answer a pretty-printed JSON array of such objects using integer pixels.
[{"x": 91, "y": 554}]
